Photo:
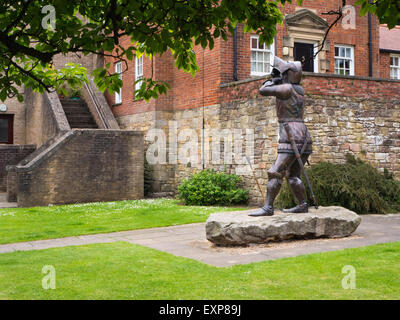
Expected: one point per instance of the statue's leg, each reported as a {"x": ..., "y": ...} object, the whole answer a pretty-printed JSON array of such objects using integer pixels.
[
  {"x": 297, "y": 187},
  {"x": 275, "y": 179}
]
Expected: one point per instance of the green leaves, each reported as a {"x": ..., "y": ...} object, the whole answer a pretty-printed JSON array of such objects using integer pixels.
[
  {"x": 3, "y": 95},
  {"x": 105, "y": 81},
  {"x": 99, "y": 27},
  {"x": 387, "y": 11},
  {"x": 208, "y": 187},
  {"x": 150, "y": 89}
]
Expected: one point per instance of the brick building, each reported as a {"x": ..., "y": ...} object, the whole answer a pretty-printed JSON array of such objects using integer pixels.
[
  {"x": 389, "y": 47},
  {"x": 241, "y": 57},
  {"x": 352, "y": 100},
  {"x": 352, "y": 87}
]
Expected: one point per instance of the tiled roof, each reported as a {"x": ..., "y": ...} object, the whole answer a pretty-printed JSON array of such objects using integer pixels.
[{"x": 389, "y": 39}]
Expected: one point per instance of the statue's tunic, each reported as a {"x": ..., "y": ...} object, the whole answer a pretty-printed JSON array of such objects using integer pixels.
[{"x": 291, "y": 111}]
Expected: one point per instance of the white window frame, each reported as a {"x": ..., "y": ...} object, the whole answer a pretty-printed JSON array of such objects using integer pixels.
[
  {"x": 351, "y": 59},
  {"x": 270, "y": 50},
  {"x": 315, "y": 50},
  {"x": 396, "y": 67},
  {"x": 118, "y": 70},
  {"x": 138, "y": 72}
]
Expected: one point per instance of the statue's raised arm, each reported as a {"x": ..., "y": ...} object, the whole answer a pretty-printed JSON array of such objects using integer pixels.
[{"x": 281, "y": 91}]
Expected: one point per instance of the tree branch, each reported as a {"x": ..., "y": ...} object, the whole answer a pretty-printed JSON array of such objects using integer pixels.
[
  {"x": 339, "y": 14},
  {"x": 19, "y": 17}
]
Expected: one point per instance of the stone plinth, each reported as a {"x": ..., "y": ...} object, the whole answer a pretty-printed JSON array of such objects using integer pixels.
[{"x": 237, "y": 228}]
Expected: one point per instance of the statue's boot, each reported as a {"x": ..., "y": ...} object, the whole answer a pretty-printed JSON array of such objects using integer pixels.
[
  {"x": 297, "y": 187},
  {"x": 274, "y": 185},
  {"x": 264, "y": 211},
  {"x": 301, "y": 208}
]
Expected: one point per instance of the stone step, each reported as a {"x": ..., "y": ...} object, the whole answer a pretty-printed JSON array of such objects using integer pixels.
[
  {"x": 78, "y": 114},
  {"x": 84, "y": 126},
  {"x": 75, "y": 109},
  {"x": 3, "y": 197},
  {"x": 4, "y": 203},
  {"x": 72, "y": 102},
  {"x": 81, "y": 121},
  {"x": 80, "y": 118}
]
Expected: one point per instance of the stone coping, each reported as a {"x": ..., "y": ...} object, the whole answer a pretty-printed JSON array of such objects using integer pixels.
[{"x": 311, "y": 74}]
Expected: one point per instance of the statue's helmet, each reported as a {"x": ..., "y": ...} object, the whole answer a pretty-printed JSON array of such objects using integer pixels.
[{"x": 293, "y": 69}]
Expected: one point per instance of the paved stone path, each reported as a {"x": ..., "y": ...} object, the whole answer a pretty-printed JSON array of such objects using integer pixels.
[
  {"x": 4, "y": 203},
  {"x": 189, "y": 241}
]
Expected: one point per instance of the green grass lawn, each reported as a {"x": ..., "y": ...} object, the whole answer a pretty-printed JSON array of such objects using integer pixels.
[
  {"x": 126, "y": 271},
  {"x": 27, "y": 224}
]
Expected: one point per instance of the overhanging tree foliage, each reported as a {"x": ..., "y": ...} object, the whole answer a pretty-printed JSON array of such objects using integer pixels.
[
  {"x": 29, "y": 38},
  {"x": 388, "y": 11}
]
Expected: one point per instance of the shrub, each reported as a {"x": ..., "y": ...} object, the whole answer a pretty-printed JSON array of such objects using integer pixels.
[
  {"x": 213, "y": 188},
  {"x": 355, "y": 185}
]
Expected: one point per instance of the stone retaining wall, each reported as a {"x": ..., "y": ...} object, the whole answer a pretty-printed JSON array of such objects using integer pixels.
[
  {"x": 83, "y": 166},
  {"x": 344, "y": 115},
  {"x": 368, "y": 129},
  {"x": 11, "y": 155}
]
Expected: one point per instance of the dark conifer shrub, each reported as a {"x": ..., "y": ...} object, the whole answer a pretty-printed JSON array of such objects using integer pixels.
[{"x": 355, "y": 185}]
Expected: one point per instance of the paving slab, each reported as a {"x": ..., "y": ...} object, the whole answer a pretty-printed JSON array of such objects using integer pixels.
[
  {"x": 190, "y": 241},
  {"x": 4, "y": 204}
]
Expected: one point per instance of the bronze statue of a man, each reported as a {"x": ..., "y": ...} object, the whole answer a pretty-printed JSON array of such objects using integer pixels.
[{"x": 285, "y": 86}]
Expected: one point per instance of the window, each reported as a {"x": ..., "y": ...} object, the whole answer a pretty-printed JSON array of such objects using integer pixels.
[
  {"x": 395, "y": 66},
  {"x": 6, "y": 128},
  {"x": 344, "y": 60},
  {"x": 261, "y": 57},
  {"x": 138, "y": 72},
  {"x": 118, "y": 70}
]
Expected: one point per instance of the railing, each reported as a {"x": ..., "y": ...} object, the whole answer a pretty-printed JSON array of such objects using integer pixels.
[{"x": 98, "y": 107}]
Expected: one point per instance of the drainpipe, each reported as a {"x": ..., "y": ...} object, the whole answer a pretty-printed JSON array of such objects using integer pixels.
[
  {"x": 235, "y": 54},
  {"x": 370, "y": 43}
]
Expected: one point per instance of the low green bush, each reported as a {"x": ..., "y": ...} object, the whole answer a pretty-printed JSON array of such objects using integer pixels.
[
  {"x": 355, "y": 185},
  {"x": 208, "y": 187}
]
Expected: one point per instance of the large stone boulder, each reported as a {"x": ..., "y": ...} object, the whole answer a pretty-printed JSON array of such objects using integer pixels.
[{"x": 237, "y": 228}]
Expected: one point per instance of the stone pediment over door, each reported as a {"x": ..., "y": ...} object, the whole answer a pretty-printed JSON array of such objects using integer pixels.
[
  {"x": 306, "y": 26},
  {"x": 305, "y": 18}
]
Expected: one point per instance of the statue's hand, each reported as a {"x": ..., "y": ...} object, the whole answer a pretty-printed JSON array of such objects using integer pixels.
[
  {"x": 272, "y": 82},
  {"x": 277, "y": 80},
  {"x": 268, "y": 83}
]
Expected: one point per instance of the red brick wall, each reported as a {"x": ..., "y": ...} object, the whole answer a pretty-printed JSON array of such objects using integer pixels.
[
  {"x": 357, "y": 37},
  {"x": 385, "y": 65},
  {"x": 129, "y": 104},
  {"x": 329, "y": 85},
  {"x": 243, "y": 56},
  {"x": 186, "y": 91},
  {"x": 216, "y": 66}
]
